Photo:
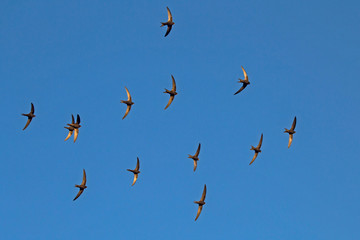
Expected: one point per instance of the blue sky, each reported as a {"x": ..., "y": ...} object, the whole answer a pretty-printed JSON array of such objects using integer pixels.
[{"x": 67, "y": 57}]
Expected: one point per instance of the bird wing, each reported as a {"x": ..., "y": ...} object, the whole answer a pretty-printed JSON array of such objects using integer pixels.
[
  {"x": 293, "y": 124},
  {"x": 170, "y": 101},
  {"x": 245, "y": 74},
  {"x": 69, "y": 135},
  {"x": 76, "y": 134},
  {"x": 260, "y": 142},
  {"x": 198, "y": 150},
  {"x": 195, "y": 165},
  {"x": 169, "y": 15},
  {"x": 290, "y": 140},
  {"x": 135, "y": 178},
  {"x": 127, "y": 111},
  {"x": 168, "y": 30},
  {"x": 84, "y": 178},
  {"x": 198, "y": 212},
  {"x": 32, "y": 108},
  {"x": 203, "y": 194},
  {"x": 255, "y": 155},
  {"x": 173, "y": 83},
  {"x": 27, "y": 123},
  {"x": 78, "y": 119},
  {"x": 128, "y": 94},
  {"x": 137, "y": 165},
  {"x": 79, "y": 193},
  {"x": 72, "y": 119},
  {"x": 242, "y": 88}
]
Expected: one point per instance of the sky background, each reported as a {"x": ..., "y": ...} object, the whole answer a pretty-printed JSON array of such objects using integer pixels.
[{"x": 76, "y": 57}]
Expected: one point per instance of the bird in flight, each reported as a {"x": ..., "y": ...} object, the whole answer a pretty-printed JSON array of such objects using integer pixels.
[
  {"x": 82, "y": 186},
  {"x": 201, "y": 203},
  {"x": 172, "y": 92},
  {"x": 195, "y": 157},
  {"x": 169, "y": 22},
  {"x": 256, "y": 149},
  {"x": 245, "y": 82},
  {"x": 75, "y": 126},
  {"x": 128, "y": 102},
  {"x": 135, "y": 171},
  {"x": 291, "y": 131},
  {"x": 71, "y": 129},
  {"x": 30, "y": 116}
]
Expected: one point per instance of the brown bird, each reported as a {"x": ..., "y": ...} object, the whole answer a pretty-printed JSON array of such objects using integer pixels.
[
  {"x": 201, "y": 202},
  {"x": 135, "y": 171},
  {"x": 71, "y": 129},
  {"x": 169, "y": 22},
  {"x": 291, "y": 131},
  {"x": 195, "y": 157},
  {"x": 82, "y": 186},
  {"x": 172, "y": 92},
  {"x": 245, "y": 82},
  {"x": 128, "y": 102},
  {"x": 30, "y": 116},
  {"x": 75, "y": 127},
  {"x": 256, "y": 149}
]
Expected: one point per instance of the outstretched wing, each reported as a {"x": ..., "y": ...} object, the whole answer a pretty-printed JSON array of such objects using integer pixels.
[
  {"x": 79, "y": 193},
  {"x": 198, "y": 150},
  {"x": 78, "y": 119},
  {"x": 69, "y": 135},
  {"x": 84, "y": 178},
  {"x": 255, "y": 155},
  {"x": 128, "y": 94},
  {"x": 127, "y": 111},
  {"x": 260, "y": 142},
  {"x": 173, "y": 83},
  {"x": 170, "y": 101},
  {"x": 195, "y": 165},
  {"x": 245, "y": 74},
  {"x": 290, "y": 140},
  {"x": 72, "y": 119},
  {"x": 76, "y": 134},
  {"x": 169, "y": 15},
  {"x": 135, "y": 178},
  {"x": 27, "y": 123},
  {"x": 198, "y": 212},
  {"x": 203, "y": 194},
  {"x": 137, "y": 165},
  {"x": 168, "y": 30},
  {"x": 293, "y": 124},
  {"x": 32, "y": 108},
  {"x": 242, "y": 88}
]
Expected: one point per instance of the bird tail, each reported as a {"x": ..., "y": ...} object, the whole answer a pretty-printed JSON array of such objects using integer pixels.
[{"x": 162, "y": 24}]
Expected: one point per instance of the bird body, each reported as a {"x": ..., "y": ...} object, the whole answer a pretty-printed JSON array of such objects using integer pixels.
[
  {"x": 128, "y": 102},
  {"x": 73, "y": 127},
  {"x": 291, "y": 131},
  {"x": 201, "y": 203},
  {"x": 171, "y": 92},
  {"x": 135, "y": 171},
  {"x": 29, "y": 115},
  {"x": 256, "y": 149},
  {"x": 195, "y": 157},
  {"x": 245, "y": 82},
  {"x": 169, "y": 22},
  {"x": 82, "y": 186}
]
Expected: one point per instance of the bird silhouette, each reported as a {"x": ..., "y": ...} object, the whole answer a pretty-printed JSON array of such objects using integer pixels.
[
  {"x": 169, "y": 22},
  {"x": 201, "y": 203},
  {"x": 256, "y": 149},
  {"x": 135, "y": 171},
  {"x": 245, "y": 82},
  {"x": 172, "y": 92},
  {"x": 195, "y": 157},
  {"x": 82, "y": 186},
  {"x": 128, "y": 102},
  {"x": 29, "y": 115},
  {"x": 291, "y": 132}
]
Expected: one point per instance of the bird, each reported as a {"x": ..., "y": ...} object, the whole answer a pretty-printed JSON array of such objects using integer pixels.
[
  {"x": 195, "y": 157},
  {"x": 256, "y": 149},
  {"x": 201, "y": 202},
  {"x": 76, "y": 127},
  {"x": 291, "y": 131},
  {"x": 169, "y": 22},
  {"x": 30, "y": 116},
  {"x": 71, "y": 129},
  {"x": 245, "y": 82},
  {"x": 82, "y": 186},
  {"x": 128, "y": 102},
  {"x": 172, "y": 92},
  {"x": 135, "y": 171}
]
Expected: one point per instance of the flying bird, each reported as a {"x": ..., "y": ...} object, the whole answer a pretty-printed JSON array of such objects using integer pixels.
[
  {"x": 128, "y": 102},
  {"x": 256, "y": 149},
  {"x": 135, "y": 171},
  {"x": 30, "y": 116},
  {"x": 75, "y": 126},
  {"x": 201, "y": 202},
  {"x": 169, "y": 22},
  {"x": 245, "y": 82},
  {"x": 71, "y": 129},
  {"x": 172, "y": 92},
  {"x": 82, "y": 186},
  {"x": 195, "y": 157},
  {"x": 291, "y": 131}
]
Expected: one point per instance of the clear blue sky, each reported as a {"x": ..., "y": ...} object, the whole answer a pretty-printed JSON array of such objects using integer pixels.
[{"x": 70, "y": 57}]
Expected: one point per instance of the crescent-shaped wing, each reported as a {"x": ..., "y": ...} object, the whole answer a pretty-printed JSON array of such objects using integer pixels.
[
  {"x": 78, "y": 119},
  {"x": 198, "y": 150},
  {"x": 290, "y": 140},
  {"x": 69, "y": 135},
  {"x": 127, "y": 111},
  {"x": 84, "y": 178},
  {"x": 260, "y": 142},
  {"x": 72, "y": 119},
  {"x": 128, "y": 94},
  {"x": 169, "y": 15},
  {"x": 203, "y": 194},
  {"x": 168, "y": 30},
  {"x": 245, "y": 74},
  {"x": 195, "y": 165},
  {"x": 173, "y": 83},
  {"x": 137, "y": 165},
  {"x": 293, "y": 124},
  {"x": 76, "y": 130},
  {"x": 242, "y": 88},
  {"x": 32, "y": 108},
  {"x": 170, "y": 101},
  {"x": 255, "y": 155},
  {"x": 27, "y": 123},
  {"x": 79, "y": 193},
  {"x": 198, "y": 212},
  {"x": 135, "y": 178}
]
